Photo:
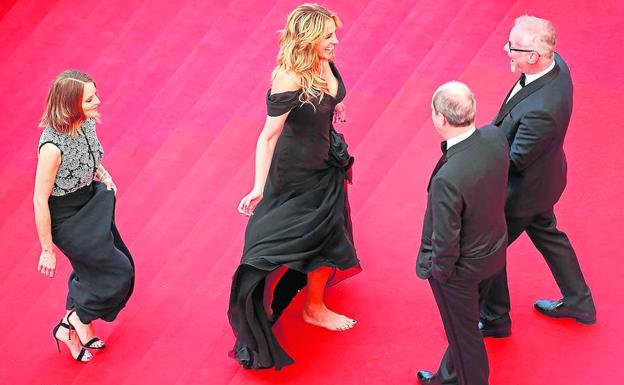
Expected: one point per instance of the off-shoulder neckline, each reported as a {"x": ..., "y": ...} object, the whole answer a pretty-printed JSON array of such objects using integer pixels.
[
  {"x": 298, "y": 91},
  {"x": 334, "y": 72}
]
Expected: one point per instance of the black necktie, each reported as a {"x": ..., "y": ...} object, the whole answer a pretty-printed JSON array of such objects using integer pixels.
[
  {"x": 510, "y": 96},
  {"x": 438, "y": 165}
]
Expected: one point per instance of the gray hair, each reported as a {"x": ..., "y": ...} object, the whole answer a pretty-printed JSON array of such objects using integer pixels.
[
  {"x": 456, "y": 102},
  {"x": 538, "y": 33}
]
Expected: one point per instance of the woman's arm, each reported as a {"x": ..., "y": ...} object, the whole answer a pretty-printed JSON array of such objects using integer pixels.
[
  {"x": 283, "y": 81},
  {"x": 265, "y": 148},
  {"x": 264, "y": 153},
  {"x": 47, "y": 167}
]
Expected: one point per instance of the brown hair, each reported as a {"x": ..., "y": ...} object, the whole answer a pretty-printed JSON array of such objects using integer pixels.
[{"x": 64, "y": 104}]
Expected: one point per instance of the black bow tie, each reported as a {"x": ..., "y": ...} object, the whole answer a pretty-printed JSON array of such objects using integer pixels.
[
  {"x": 443, "y": 147},
  {"x": 522, "y": 80}
]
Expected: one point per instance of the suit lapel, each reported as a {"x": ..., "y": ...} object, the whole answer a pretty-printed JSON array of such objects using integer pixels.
[
  {"x": 451, "y": 151},
  {"x": 525, "y": 92}
]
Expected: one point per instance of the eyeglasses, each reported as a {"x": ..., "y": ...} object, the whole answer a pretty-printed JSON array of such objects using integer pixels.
[{"x": 520, "y": 50}]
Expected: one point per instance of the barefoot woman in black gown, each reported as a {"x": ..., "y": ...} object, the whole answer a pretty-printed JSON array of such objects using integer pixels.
[{"x": 299, "y": 231}]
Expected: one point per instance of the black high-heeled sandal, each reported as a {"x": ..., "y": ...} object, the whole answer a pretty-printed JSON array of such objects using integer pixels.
[
  {"x": 83, "y": 351},
  {"x": 88, "y": 344}
]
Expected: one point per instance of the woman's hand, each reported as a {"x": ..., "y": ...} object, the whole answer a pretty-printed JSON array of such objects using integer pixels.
[
  {"x": 340, "y": 115},
  {"x": 106, "y": 178},
  {"x": 248, "y": 204},
  {"x": 47, "y": 263},
  {"x": 110, "y": 185}
]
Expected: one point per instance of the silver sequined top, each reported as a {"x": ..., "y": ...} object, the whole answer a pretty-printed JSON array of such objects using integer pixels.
[{"x": 80, "y": 157}]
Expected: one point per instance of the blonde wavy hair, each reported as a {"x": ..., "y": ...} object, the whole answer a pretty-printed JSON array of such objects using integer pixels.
[
  {"x": 63, "y": 112},
  {"x": 306, "y": 27}
]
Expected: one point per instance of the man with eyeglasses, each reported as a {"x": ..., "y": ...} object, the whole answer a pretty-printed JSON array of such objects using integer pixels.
[{"x": 534, "y": 117}]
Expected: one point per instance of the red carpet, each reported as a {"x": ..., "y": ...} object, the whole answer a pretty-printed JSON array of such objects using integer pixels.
[{"x": 183, "y": 87}]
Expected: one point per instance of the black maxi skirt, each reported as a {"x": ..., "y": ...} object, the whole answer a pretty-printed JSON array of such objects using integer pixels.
[
  {"x": 83, "y": 228},
  {"x": 299, "y": 232}
]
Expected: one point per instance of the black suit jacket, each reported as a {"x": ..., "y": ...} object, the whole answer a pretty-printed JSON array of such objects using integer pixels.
[
  {"x": 535, "y": 121},
  {"x": 464, "y": 230}
]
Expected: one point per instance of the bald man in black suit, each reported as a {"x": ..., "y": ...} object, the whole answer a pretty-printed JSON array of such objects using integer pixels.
[
  {"x": 464, "y": 232},
  {"x": 535, "y": 117}
]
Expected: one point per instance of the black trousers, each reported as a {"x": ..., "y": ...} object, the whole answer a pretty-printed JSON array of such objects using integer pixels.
[
  {"x": 556, "y": 249},
  {"x": 465, "y": 361}
]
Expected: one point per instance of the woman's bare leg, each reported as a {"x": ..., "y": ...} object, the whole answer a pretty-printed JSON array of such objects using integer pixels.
[
  {"x": 63, "y": 335},
  {"x": 84, "y": 331},
  {"x": 315, "y": 312}
]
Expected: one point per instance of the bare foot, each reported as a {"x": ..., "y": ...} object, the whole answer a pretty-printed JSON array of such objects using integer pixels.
[
  {"x": 62, "y": 334},
  {"x": 325, "y": 318},
  {"x": 85, "y": 332}
]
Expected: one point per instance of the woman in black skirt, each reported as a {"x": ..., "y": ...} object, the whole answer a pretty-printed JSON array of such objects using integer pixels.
[
  {"x": 76, "y": 213},
  {"x": 299, "y": 231}
]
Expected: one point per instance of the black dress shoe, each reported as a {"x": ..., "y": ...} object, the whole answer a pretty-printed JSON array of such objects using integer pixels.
[
  {"x": 558, "y": 309},
  {"x": 500, "y": 328},
  {"x": 425, "y": 377}
]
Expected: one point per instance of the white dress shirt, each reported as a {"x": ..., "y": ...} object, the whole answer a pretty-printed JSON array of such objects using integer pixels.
[
  {"x": 456, "y": 139},
  {"x": 529, "y": 79}
]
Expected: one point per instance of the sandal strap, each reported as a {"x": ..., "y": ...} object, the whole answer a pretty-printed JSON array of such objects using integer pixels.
[
  {"x": 91, "y": 342},
  {"x": 81, "y": 354}
]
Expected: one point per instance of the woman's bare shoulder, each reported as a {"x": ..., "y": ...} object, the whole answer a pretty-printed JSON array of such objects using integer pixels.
[{"x": 284, "y": 81}]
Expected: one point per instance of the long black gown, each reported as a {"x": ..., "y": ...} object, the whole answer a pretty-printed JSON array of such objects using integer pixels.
[{"x": 302, "y": 223}]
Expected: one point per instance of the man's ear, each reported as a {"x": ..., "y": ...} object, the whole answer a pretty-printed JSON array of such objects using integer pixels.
[
  {"x": 533, "y": 58},
  {"x": 441, "y": 118}
]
